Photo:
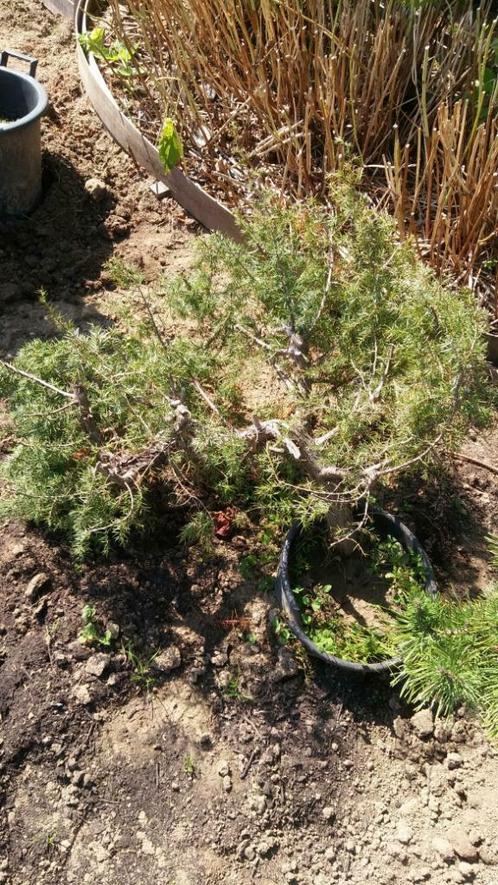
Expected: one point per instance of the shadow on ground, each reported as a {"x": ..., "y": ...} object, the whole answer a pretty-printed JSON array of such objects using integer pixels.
[{"x": 60, "y": 248}]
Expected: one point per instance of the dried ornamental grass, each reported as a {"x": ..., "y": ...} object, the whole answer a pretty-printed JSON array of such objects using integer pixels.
[{"x": 299, "y": 86}]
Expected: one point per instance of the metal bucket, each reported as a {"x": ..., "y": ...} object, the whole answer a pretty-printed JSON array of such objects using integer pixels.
[{"x": 22, "y": 101}]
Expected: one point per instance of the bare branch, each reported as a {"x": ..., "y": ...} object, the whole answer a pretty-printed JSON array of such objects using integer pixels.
[
  {"x": 297, "y": 444},
  {"x": 284, "y": 377},
  {"x": 36, "y": 380},
  {"x": 377, "y": 391},
  {"x": 88, "y": 422},
  {"x": 200, "y": 390},
  {"x": 485, "y": 465}
]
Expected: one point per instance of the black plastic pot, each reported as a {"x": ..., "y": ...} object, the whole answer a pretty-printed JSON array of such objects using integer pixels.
[
  {"x": 385, "y": 525},
  {"x": 22, "y": 100}
]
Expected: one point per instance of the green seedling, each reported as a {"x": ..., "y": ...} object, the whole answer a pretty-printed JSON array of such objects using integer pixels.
[
  {"x": 92, "y": 632},
  {"x": 189, "y": 765},
  {"x": 123, "y": 275},
  {"x": 169, "y": 145},
  {"x": 142, "y": 674}
]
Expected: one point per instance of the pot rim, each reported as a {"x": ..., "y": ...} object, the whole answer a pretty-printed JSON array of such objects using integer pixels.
[
  {"x": 38, "y": 110},
  {"x": 390, "y": 525}
]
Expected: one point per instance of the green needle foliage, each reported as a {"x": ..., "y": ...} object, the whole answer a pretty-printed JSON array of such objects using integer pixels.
[
  {"x": 449, "y": 654},
  {"x": 305, "y": 366}
]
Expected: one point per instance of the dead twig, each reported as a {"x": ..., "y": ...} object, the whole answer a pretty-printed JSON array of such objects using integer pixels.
[{"x": 485, "y": 465}]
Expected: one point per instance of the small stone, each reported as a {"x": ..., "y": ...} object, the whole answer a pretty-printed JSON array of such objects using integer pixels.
[
  {"x": 399, "y": 727},
  {"x": 287, "y": 667},
  {"x": 442, "y": 732},
  {"x": 81, "y": 694},
  {"x": 404, "y": 833},
  {"x": 78, "y": 778},
  {"x": 266, "y": 846},
  {"x": 421, "y": 875},
  {"x": 488, "y": 857},
  {"x": 114, "y": 680},
  {"x": 113, "y": 629},
  {"x": 466, "y": 870},
  {"x": 220, "y": 657},
  {"x": 257, "y": 803},
  {"x": 454, "y": 760},
  {"x": 38, "y": 585},
  {"x": 330, "y": 854},
  {"x": 475, "y": 837},
  {"x": 462, "y": 845},
  {"x": 249, "y": 852},
  {"x": 328, "y": 813},
  {"x": 40, "y": 610},
  {"x": 97, "y": 664},
  {"x": 227, "y": 783},
  {"x": 77, "y": 651},
  {"x": 96, "y": 189},
  {"x": 169, "y": 659},
  {"x": 223, "y": 768},
  {"x": 459, "y": 732},
  {"x": 423, "y": 723},
  {"x": 443, "y": 848}
]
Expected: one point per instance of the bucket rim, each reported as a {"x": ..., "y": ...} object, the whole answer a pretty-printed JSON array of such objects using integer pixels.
[{"x": 38, "y": 110}]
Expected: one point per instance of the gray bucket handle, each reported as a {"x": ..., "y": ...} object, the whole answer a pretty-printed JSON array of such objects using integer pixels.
[{"x": 5, "y": 54}]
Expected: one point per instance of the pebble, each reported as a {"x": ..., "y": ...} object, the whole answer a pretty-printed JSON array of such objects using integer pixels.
[
  {"x": 423, "y": 723},
  {"x": 169, "y": 659},
  {"x": 466, "y": 870},
  {"x": 97, "y": 664},
  {"x": 488, "y": 857},
  {"x": 404, "y": 833},
  {"x": 227, "y": 783},
  {"x": 81, "y": 694},
  {"x": 96, "y": 189},
  {"x": 287, "y": 667},
  {"x": 223, "y": 768},
  {"x": 462, "y": 845},
  {"x": 443, "y": 848},
  {"x": 77, "y": 778},
  {"x": 328, "y": 813},
  {"x": 454, "y": 760},
  {"x": 39, "y": 584}
]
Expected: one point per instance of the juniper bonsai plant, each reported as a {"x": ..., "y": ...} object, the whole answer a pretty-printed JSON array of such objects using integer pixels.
[{"x": 290, "y": 374}]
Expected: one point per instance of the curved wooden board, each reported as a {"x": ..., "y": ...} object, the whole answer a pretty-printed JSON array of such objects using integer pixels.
[
  {"x": 60, "y": 7},
  {"x": 196, "y": 201}
]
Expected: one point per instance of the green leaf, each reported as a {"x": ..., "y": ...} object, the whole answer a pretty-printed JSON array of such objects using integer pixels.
[
  {"x": 93, "y": 41},
  {"x": 170, "y": 146}
]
